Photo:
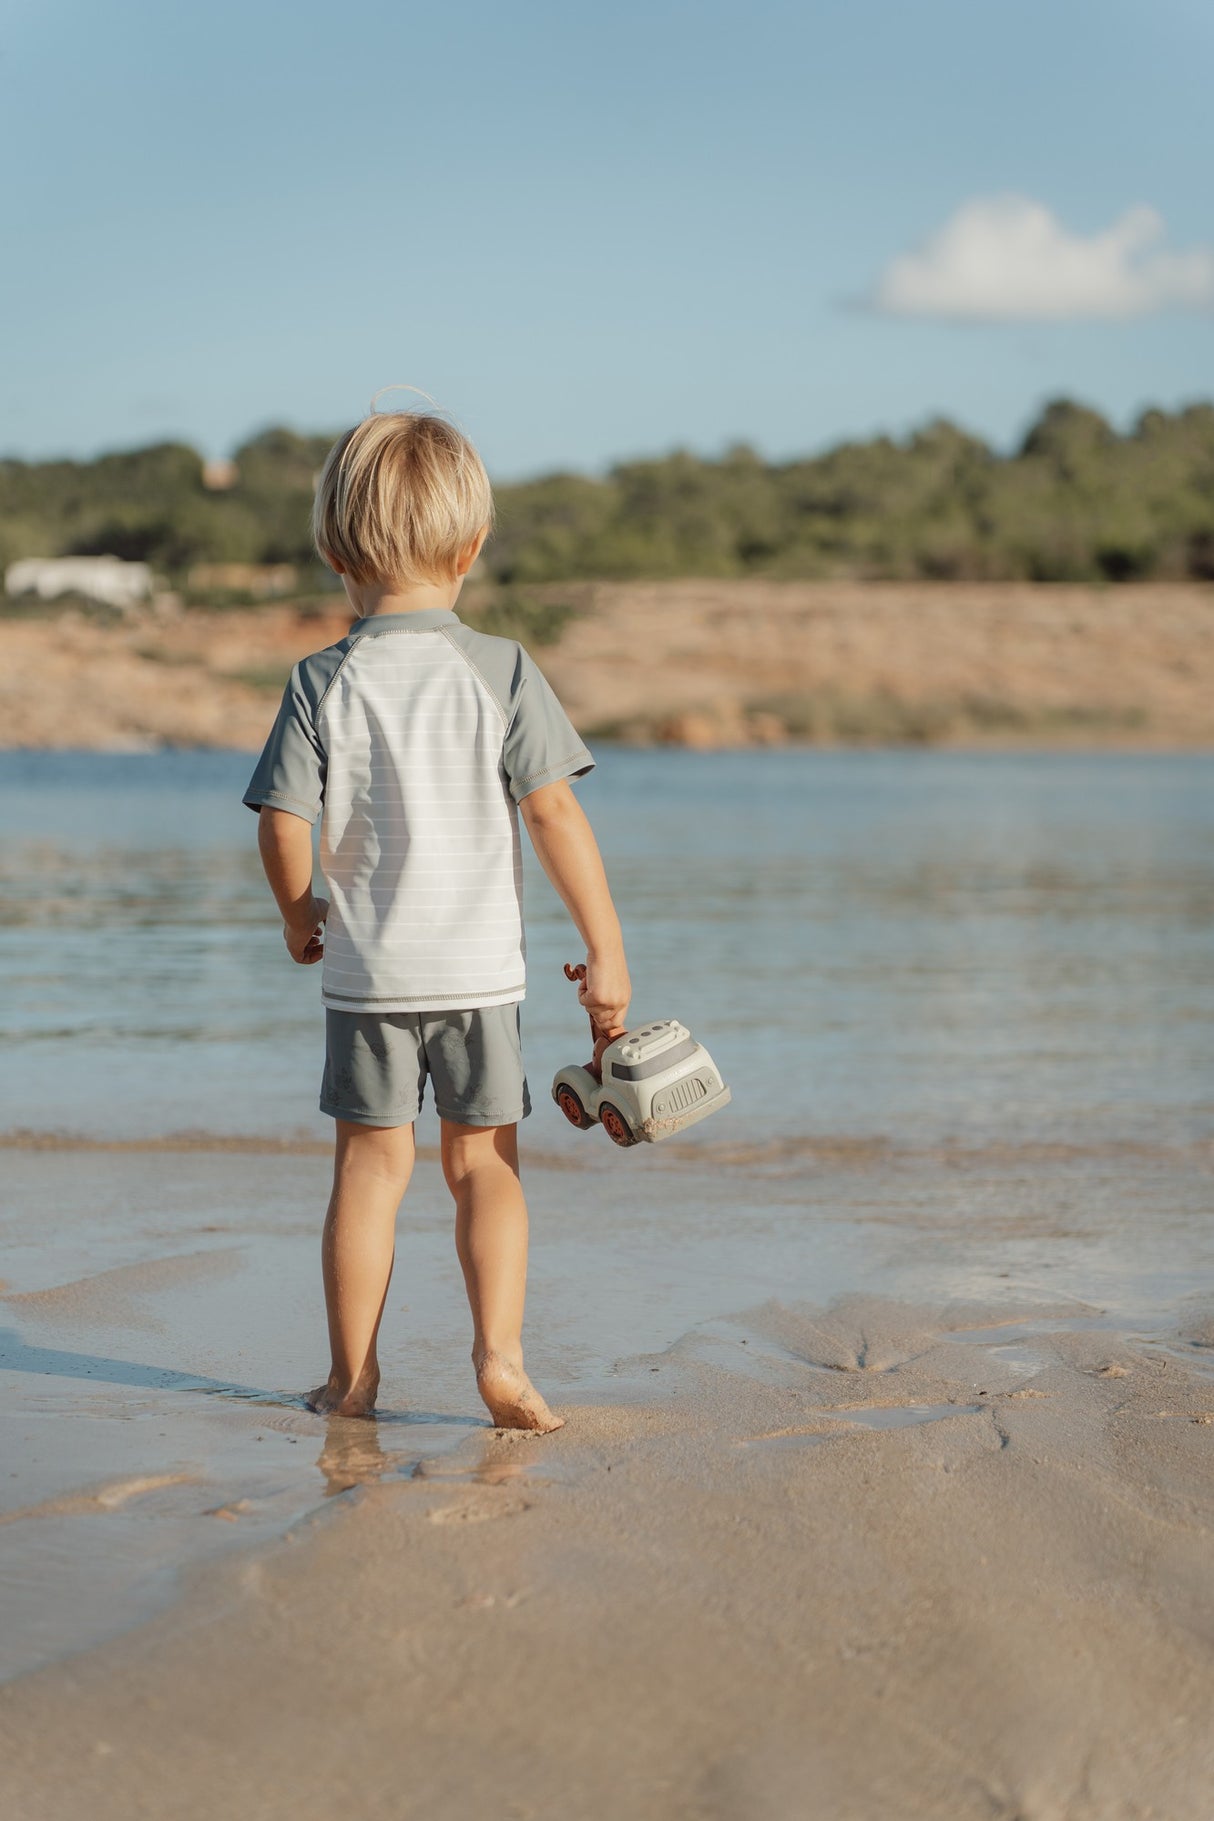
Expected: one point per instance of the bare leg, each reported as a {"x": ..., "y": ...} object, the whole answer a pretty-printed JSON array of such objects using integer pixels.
[
  {"x": 371, "y": 1170},
  {"x": 481, "y": 1167}
]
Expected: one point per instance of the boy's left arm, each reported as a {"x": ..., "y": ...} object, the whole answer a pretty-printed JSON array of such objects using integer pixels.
[
  {"x": 285, "y": 844},
  {"x": 568, "y": 852}
]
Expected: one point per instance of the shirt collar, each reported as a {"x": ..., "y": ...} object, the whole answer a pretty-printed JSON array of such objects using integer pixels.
[{"x": 422, "y": 619}]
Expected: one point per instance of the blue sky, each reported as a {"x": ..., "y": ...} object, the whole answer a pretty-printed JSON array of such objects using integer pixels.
[{"x": 593, "y": 232}]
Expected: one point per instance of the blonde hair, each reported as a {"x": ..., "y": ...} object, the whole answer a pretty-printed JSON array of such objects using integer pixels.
[{"x": 400, "y": 498}]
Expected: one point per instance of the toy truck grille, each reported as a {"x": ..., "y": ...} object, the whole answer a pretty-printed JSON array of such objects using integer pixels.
[{"x": 678, "y": 1097}]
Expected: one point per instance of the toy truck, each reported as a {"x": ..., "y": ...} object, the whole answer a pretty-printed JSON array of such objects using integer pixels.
[{"x": 643, "y": 1086}]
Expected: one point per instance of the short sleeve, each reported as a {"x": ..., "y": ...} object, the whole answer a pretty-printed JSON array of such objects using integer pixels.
[
  {"x": 541, "y": 745},
  {"x": 290, "y": 773}
]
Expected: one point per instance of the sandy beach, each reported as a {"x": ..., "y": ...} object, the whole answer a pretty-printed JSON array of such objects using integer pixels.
[{"x": 935, "y": 1549}]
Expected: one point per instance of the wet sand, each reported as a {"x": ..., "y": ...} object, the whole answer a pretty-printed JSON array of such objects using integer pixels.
[
  {"x": 870, "y": 1562},
  {"x": 885, "y": 1491}
]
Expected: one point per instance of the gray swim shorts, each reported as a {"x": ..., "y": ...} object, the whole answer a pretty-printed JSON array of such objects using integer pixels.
[{"x": 376, "y": 1064}]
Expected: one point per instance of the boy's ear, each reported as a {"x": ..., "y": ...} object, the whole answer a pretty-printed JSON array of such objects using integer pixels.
[{"x": 469, "y": 555}]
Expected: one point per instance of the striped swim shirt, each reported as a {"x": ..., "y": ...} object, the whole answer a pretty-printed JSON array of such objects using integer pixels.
[{"x": 414, "y": 739}]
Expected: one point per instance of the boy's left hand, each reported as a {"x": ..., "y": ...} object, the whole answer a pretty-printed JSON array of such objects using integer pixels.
[{"x": 305, "y": 940}]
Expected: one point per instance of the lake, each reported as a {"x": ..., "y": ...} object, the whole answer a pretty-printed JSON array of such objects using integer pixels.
[{"x": 909, "y": 946}]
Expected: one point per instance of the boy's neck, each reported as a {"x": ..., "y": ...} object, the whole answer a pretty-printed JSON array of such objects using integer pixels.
[{"x": 371, "y": 598}]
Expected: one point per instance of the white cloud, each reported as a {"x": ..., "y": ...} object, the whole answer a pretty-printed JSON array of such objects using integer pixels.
[{"x": 1008, "y": 259}]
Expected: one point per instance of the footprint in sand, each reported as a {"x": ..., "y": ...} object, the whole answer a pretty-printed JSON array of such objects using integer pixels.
[
  {"x": 479, "y": 1511},
  {"x": 845, "y": 1418},
  {"x": 110, "y": 1497}
]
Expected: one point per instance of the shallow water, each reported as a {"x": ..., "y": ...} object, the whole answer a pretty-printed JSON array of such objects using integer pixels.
[
  {"x": 964, "y": 1003},
  {"x": 902, "y": 945}
]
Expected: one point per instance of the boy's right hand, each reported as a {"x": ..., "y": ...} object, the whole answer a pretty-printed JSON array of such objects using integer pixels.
[
  {"x": 305, "y": 938},
  {"x": 606, "y": 992}
]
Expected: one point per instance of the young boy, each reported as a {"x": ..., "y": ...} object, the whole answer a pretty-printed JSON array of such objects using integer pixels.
[{"x": 418, "y": 740}]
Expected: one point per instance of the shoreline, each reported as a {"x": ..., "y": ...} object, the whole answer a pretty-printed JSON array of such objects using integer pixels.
[
  {"x": 838, "y": 1150},
  {"x": 705, "y": 665}
]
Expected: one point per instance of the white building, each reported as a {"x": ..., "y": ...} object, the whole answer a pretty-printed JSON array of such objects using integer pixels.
[{"x": 98, "y": 578}]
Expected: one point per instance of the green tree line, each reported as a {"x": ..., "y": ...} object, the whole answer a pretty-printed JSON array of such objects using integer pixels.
[{"x": 1076, "y": 502}]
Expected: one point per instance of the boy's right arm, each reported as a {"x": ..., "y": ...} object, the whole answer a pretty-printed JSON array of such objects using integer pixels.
[
  {"x": 568, "y": 852},
  {"x": 285, "y": 844}
]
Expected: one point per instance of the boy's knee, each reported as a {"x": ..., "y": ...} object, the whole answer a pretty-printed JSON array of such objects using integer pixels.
[
  {"x": 468, "y": 1147},
  {"x": 388, "y": 1150}
]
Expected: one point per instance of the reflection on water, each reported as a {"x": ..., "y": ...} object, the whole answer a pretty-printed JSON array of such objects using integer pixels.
[
  {"x": 353, "y": 1455},
  {"x": 902, "y": 945}
]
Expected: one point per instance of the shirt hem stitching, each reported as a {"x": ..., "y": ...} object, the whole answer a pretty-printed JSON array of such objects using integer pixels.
[
  {"x": 557, "y": 765},
  {"x": 449, "y": 999},
  {"x": 268, "y": 798}
]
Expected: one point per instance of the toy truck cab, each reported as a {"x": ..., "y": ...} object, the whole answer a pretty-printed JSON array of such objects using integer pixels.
[{"x": 652, "y": 1082}]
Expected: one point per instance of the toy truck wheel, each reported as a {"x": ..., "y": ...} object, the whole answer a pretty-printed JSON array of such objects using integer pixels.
[
  {"x": 572, "y": 1107},
  {"x": 615, "y": 1125}
]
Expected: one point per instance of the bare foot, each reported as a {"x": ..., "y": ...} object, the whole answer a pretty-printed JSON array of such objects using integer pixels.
[
  {"x": 331, "y": 1399},
  {"x": 512, "y": 1400}
]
